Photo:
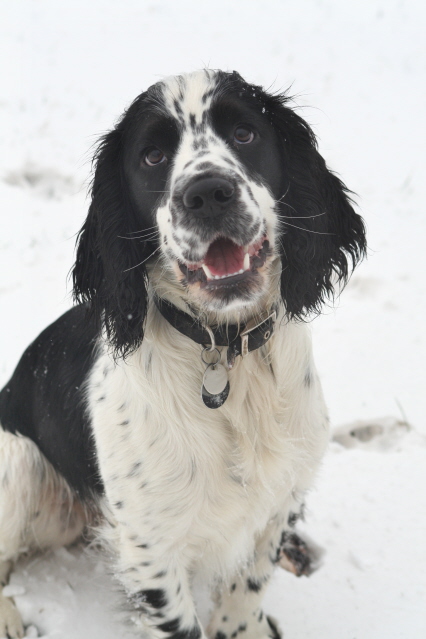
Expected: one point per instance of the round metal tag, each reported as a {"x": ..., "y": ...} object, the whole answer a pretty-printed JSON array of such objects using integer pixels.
[
  {"x": 215, "y": 388},
  {"x": 215, "y": 379}
]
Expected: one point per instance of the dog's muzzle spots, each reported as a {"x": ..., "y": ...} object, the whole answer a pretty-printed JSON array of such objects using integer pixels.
[{"x": 220, "y": 244}]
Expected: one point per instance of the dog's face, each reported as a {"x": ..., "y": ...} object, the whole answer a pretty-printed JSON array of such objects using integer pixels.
[
  {"x": 223, "y": 183},
  {"x": 205, "y": 167}
]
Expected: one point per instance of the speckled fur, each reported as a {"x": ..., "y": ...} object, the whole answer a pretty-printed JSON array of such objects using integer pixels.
[{"x": 198, "y": 489}]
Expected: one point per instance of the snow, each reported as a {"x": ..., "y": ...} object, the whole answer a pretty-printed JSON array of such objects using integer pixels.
[{"x": 357, "y": 69}]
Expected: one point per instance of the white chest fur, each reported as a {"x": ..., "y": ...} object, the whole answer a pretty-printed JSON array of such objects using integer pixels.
[{"x": 205, "y": 480}]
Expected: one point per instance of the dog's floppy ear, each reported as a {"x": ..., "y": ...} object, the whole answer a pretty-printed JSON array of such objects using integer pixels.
[
  {"x": 104, "y": 274},
  {"x": 322, "y": 238}
]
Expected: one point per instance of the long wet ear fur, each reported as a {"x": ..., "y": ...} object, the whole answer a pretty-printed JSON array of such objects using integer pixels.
[
  {"x": 104, "y": 274},
  {"x": 322, "y": 238}
]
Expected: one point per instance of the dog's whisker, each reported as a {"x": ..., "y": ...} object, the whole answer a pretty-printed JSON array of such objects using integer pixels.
[
  {"x": 288, "y": 206},
  {"x": 143, "y": 261},
  {"x": 282, "y": 246},
  {"x": 283, "y": 196},
  {"x": 301, "y": 217},
  {"x": 307, "y": 230},
  {"x": 143, "y": 230},
  {"x": 149, "y": 236}
]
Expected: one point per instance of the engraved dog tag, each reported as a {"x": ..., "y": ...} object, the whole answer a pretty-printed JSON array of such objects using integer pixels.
[{"x": 215, "y": 388}]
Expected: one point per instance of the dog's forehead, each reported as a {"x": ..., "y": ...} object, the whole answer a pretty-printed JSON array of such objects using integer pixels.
[{"x": 188, "y": 97}]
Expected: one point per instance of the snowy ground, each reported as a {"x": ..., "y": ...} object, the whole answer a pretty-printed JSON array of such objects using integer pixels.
[{"x": 358, "y": 70}]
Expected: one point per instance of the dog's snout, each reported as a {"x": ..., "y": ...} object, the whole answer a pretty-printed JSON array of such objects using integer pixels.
[{"x": 208, "y": 197}]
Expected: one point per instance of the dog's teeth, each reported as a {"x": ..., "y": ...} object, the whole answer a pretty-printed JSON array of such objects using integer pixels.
[
  {"x": 210, "y": 275},
  {"x": 208, "y": 272},
  {"x": 246, "y": 262}
]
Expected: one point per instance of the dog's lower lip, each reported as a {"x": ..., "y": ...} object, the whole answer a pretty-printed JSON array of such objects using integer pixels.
[{"x": 227, "y": 281}]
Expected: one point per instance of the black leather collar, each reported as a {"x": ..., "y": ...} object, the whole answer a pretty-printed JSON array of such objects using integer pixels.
[{"x": 239, "y": 340}]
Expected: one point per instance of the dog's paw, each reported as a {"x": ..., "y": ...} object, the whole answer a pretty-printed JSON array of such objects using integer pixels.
[
  {"x": 300, "y": 556},
  {"x": 10, "y": 620}
]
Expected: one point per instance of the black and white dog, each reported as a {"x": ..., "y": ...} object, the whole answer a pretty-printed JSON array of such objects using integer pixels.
[{"x": 178, "y": 403}]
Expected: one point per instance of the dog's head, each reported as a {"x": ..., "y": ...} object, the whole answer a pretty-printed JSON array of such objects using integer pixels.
[{"x": 222, "y": 183}]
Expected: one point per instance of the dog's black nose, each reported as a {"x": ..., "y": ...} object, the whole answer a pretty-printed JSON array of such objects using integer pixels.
[{"x": 208, "y": 197}]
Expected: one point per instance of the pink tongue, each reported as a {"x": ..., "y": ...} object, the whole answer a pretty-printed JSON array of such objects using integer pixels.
[{"x": 224, "y": 257}]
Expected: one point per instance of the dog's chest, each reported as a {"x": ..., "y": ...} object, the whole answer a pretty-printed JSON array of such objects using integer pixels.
[{"x": 212, "y": 477}]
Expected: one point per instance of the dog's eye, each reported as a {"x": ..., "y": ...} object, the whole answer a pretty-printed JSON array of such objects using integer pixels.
[
  {"x": 243, "y": 135},
  {"x": 154, "y": 156}
]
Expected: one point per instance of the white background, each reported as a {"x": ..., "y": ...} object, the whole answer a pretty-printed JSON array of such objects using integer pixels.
[{"x": 357, "y": 70}]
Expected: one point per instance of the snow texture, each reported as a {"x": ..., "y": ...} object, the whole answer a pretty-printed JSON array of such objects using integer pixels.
[{"x": 357, "y": 71}]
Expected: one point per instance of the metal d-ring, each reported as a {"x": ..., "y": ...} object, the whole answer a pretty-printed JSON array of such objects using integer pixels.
[
  {"x": 209, "y": 350},
  {"x": 212, "y": 339}
]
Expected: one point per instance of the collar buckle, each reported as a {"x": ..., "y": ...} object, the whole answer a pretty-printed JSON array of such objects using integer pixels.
[{"x": 251, "y": 326}]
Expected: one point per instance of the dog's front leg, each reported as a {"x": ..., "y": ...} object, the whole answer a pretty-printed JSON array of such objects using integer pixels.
[
  {"x": 238, "y": 611},
  {"x": 158, "y": 588},
  {"x": 157, "y": 585}
]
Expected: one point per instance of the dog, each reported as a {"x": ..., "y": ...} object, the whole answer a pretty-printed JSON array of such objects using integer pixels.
[{"x": 176, "y": 407}]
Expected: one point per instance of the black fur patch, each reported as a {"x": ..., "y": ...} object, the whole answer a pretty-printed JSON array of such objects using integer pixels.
[
  {"x": 160, "y": 574},
  {"x": 293, "y": 518},
  {"x": 275, "y": 633},
  {"x": 178, "y": 108},
  {"x": 156, "y": 598},
  {"x": 208, "y": 94},
  {"x": 170, "y": 626},
  {"x": 308, "y": 379},
  {"x": 254, "y": 586},
  {"x": 50, "y": 376},
  {"x": 200, "y": 143},
  {"x": 134, "y": 469},
  {"x": 204, "y": 166}
]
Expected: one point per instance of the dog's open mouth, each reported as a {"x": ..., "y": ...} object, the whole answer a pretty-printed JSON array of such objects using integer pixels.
[{"x": 227, "y": 263}]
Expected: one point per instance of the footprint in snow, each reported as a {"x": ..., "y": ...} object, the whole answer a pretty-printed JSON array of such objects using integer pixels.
[{"x": 376, "y": 434}]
